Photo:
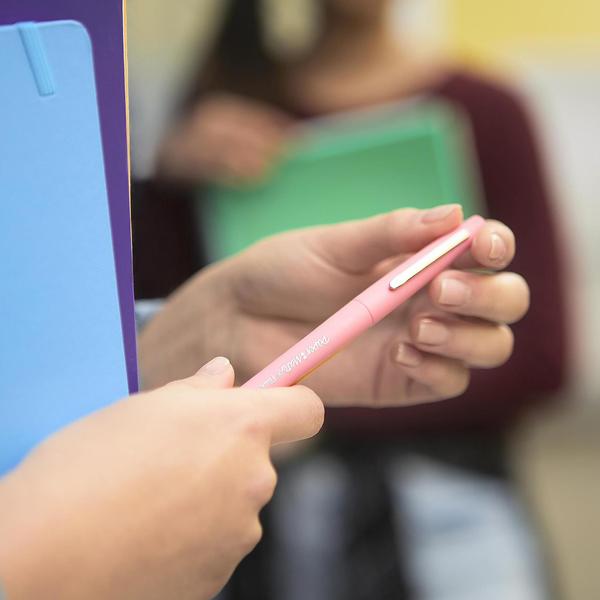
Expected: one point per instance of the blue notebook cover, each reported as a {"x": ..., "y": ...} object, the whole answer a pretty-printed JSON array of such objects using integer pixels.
[
  {"x": 61, "y": 345},
  {"x": 105, "y": 23}
]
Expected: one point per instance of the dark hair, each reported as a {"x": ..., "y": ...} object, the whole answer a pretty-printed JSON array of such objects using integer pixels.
[{"x": 239, "y": 60}]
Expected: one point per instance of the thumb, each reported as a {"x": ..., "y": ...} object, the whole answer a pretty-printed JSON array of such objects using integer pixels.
[
  {"x": 357, "y": 246},
  {"x": 215, "y": 374}
]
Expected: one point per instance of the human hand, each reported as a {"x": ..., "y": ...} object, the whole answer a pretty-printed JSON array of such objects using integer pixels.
[
  {"x": 156, "y": 496},
  {"x": 267, "y": 298},
  {"x": 226, "y": 139}
]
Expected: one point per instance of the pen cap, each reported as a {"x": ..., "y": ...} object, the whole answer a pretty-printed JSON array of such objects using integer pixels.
[{"x": 416, "y": 272}]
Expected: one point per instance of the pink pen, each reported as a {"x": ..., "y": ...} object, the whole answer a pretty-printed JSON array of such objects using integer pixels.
[{"x": 367, "y": 309}]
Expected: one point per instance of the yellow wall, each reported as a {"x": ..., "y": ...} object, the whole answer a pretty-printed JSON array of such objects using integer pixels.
[{"x": 490, "y": 29}]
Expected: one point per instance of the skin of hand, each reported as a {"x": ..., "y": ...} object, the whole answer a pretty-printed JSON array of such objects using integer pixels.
[
  {"x": 155, "y": 497},
  {"x": 226, "y": 139},
  {"x": 260, "y": 302}
]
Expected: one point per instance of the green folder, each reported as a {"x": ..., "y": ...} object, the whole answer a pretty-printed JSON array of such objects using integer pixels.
[{"x": 350, "y": 167}]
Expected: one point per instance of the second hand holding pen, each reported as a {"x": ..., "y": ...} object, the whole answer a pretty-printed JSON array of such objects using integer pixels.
[{"x": 367, "y": 309}]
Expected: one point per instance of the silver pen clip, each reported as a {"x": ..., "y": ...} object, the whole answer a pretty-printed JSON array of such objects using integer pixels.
[{"x": 462, "y": 235}]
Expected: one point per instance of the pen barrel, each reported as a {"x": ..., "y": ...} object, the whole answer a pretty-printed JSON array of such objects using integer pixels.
[
  {"x": 368, "y": 308},
  {"x": 315, "y": 348}
]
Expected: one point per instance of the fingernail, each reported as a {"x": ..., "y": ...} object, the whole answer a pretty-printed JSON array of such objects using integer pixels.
[
  {"x": 216, "y": 366},
  {"x": 454, "y": 293},
  {"x": 432, "y": 333},
  {"x": 439, "y": 213},
  {"x": 408, "y": 356},
  {"x": 497, "y": 247}
]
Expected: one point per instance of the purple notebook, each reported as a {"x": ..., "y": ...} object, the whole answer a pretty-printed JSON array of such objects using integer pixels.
[{"x": 104, "y": 22}]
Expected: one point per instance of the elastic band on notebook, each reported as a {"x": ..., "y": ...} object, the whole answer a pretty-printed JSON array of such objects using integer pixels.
[{"x": 38, "y": 61}]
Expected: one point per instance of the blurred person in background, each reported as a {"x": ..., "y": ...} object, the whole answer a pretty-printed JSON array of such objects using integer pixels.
[{"x": 355, "y": 489}]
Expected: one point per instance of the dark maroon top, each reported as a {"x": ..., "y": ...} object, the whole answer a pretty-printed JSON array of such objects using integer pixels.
[{"x": 515, "y": 192}]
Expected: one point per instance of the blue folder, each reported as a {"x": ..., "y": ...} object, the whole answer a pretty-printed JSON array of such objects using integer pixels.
[{"x": 61, "y": 343}]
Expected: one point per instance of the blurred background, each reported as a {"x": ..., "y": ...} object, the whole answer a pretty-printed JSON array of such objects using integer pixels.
[{"x": 497, "y": 495}]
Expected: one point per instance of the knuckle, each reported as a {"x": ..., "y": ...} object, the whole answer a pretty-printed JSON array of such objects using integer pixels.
[
  {"x": 179, "y": 386},
  {"x": 251, "y": 536},
  {"x": 522, "y": 296},
  {"x": 460, "y": 382},
  {"x": 451, "y": 379},
  {"x": 494, "y": 348},
  {"x": 262, "y": 485},
  {"x": 505, "y": 344},
  {"x": 252, "y": 425},
  {"x": 175, "y": 384},
  {"x": 397, "y": 220},
  {"x": 447, "y": 377},
  {"x": 508, "y": 298}
]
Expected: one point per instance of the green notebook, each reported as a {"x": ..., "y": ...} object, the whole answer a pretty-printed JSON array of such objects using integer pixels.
[{"x": 347, "y": 167}]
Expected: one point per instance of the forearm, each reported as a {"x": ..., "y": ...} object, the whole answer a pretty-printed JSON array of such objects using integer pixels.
[{"x": 189, "y": 330}]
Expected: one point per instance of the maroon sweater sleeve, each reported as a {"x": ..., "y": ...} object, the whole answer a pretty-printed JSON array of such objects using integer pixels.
[{"x": 515, "y": 192}]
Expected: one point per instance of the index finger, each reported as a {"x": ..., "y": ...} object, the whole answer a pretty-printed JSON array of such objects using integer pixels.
[
  {"x": 355, "y": 247},
  {"x": 493, "y": 248},
  {"x": 291, "y": 414}
]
